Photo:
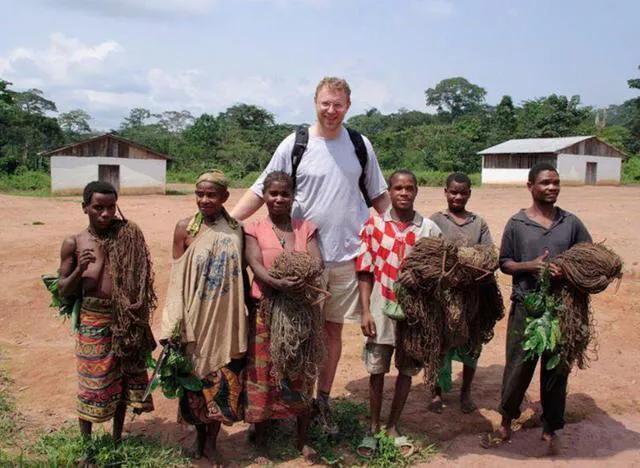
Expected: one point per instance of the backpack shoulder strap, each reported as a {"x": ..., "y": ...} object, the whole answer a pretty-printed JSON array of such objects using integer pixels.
[
  {"x": 363, "y": 157},
  {"x": 299, "y": 147}
]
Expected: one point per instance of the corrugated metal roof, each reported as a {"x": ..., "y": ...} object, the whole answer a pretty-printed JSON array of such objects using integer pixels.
[{"x": 534, "y": 145}]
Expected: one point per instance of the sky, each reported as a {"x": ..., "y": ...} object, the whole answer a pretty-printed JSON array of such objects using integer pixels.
[{"x": 109, "y": 56}]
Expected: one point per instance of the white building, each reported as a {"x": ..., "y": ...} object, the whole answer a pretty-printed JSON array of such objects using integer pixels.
[
  {"x": 580, "y": 160},
  {"x": 132, "y": 168}
]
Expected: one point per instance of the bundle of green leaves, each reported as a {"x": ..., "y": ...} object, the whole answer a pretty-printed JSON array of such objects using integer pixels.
[
  {"x": 175, "y": 374},
  {"x": 68, "y": 307},
  {"x": 542, "y": 327}
]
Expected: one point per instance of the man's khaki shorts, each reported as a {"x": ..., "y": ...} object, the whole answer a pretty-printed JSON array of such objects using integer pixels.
[
  {"x": 341, "y": 281},
  {"x": 377, "y": 360}
]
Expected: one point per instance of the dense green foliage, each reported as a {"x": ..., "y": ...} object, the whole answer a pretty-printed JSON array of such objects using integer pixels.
[
  {"x": 241, "y": 139},
  {"x": 542, "y": 331}
]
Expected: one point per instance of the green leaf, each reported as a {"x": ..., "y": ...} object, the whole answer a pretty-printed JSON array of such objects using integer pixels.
[
  {"x": 553, "y": 361},
  {"x": 192, "y": 383}
]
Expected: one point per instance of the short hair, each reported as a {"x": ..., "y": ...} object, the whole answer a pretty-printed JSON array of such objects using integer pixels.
[
  {"x": 538, "y": 168},
  {"x": 406, "y": 172},
  {"x": 277, "y": 176},
  {"x": 459, "y": 177},
  {"x": 334, "y": 84},
  {"x": 97, "y": 186}
]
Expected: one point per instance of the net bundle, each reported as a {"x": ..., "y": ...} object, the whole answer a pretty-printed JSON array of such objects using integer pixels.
[
  {"x": 587, "y": 269},
  {"x": 295, "y": 320},
  {"x": 133, "y": 295},
  {"x": 450, "y": 297}
]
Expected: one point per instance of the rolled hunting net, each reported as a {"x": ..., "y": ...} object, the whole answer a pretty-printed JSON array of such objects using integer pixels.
[
  {"x": 295, "y": 320},
  {"x": 450, "y": 297},
  {"x": 588, "y": 269}
]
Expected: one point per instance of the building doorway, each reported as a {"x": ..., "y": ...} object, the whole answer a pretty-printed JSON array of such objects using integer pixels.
[
  {"x": 591, "y": 175},
  {"x": 109, "y": 173}
]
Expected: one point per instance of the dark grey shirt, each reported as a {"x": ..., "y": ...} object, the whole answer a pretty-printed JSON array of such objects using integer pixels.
[
  {"x": 472, "y": 232},
  {"x": 524, "y": 239}
]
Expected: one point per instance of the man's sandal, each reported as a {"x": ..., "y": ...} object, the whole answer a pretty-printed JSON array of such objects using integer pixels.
[
  {"x": 367, "y": 447},
  {"x": 493, "y": 439},
  {"x": 405, "y": 446}
]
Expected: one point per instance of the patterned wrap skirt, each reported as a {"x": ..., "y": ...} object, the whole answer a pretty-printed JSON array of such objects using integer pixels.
[
  {"x": 220, "y": 400},
  {"x": 265, "y": 399},
  {"x": 103, "y": 380}
]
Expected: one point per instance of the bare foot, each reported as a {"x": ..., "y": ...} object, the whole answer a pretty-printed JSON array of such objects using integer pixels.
[
  {"x": 467, "y": 404},
  {"x": 553, "y": 444},
  {"x": 436, "y": 405},
  {"x": 310, "y": 455},
  {"x": 214, "y": 456},
  {"x": 262, "y": 461},
  {"x": 195, "y": 451},
  {"x": 393, "y": 432},
  {"x": 496, "y": 438}
]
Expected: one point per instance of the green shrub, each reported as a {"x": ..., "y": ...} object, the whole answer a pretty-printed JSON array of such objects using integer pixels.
[
  {"x": 631, "y": 170},
  {"x": 65, "y": 446},
  {"x": 35, "y": 182}
]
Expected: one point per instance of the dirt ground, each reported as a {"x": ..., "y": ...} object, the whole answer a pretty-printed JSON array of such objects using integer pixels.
[{"x": 603, "y": 408}]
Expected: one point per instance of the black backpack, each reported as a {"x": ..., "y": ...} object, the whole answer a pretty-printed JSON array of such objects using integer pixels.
[{"x": 300, "y": 146}]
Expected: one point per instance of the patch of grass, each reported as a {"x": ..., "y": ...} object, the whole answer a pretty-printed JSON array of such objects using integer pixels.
[
  {"x": 176, "y": 192},
  {"x": 332, "y": 451},
  {"x": 631, "y": 170},
  {"x": 389, "y": 456},
  {"x": 65, "y": 447},
  {"x": 341, "y": 450},
  {"x": 7, "y": 410},
  {"x": 34, "y": 183},
  {"x": 348, "y": 416}
]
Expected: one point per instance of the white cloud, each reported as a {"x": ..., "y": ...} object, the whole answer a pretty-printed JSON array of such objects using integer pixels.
[
  {"x": 99, "y": 78},
  {"x": 64, "y": 61}
]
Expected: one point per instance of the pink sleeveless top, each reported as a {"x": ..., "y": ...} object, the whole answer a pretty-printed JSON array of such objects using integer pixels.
[{"x": 262, "y": 231}]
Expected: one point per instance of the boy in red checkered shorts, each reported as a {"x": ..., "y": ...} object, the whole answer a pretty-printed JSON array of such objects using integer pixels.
[{"x": 386, "y": 240}]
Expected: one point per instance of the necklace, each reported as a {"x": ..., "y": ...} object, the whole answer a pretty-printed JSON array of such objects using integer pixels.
[{"x": 281, "y": 233}]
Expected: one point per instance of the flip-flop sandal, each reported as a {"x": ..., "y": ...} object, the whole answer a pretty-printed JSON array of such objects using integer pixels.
[
  {"x": 367, "y": 447},
  {"x": 405, "y": 446},
  {"x": 493, "y": 439}
]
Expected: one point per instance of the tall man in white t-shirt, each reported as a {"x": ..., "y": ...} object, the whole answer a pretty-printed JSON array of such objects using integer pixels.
[{"x": 329, "y": 195}]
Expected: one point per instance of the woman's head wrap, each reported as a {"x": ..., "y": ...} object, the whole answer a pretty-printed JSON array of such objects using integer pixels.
[
  {"x": 218, "y": 178},
  {"x": 214, "y": 176}
]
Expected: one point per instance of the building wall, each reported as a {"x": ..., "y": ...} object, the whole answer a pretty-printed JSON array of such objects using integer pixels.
[
  {"x": 504, "y": 176},
  {"x": 69, "y": 174},
  {"x": 572, "y": 168}
]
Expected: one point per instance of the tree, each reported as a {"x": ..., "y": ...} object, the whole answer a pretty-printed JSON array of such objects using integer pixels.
[
  {"x": 7, "y": 96},
  {"x": 247, "y": 117},
  {"x": 176, "y": 121},
  {"x": 137, "y": 117},
  {"x": 634, "y": 124},
  {"x": 75, "y": 122},
  {"x": 32, "y": 101},
  {"x": 634, "y": 82},
  {"x": 369, "y": 123},
  {"x": 455, "y": 96},
  {"x": 505, "y": 122},
  {"x": 552, "y": 116},
  {"x": 205, "y": 131}
]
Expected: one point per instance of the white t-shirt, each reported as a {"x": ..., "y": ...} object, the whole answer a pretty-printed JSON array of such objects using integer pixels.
[{"x": 327, "y": 190}]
